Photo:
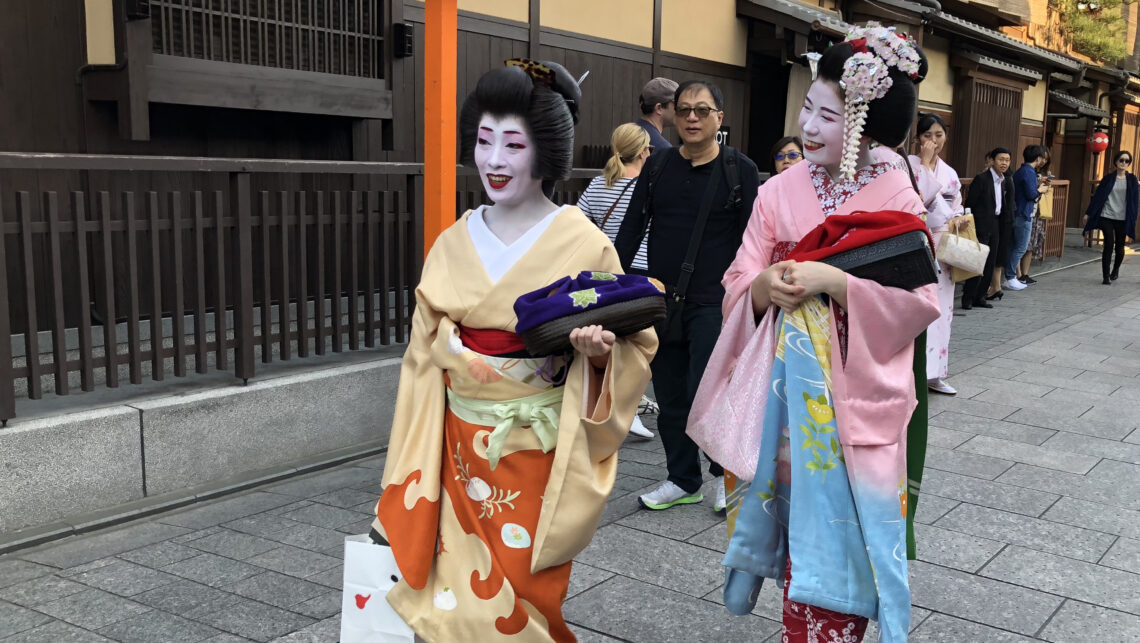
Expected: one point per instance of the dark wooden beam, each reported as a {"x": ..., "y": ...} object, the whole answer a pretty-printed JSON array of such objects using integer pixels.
[
  {"x": 534, "y": 17},
  {"x": 656, "y": 38}
]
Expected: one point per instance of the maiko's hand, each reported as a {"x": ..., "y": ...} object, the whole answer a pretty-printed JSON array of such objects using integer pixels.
[
  {"x": 778, "y": 291},
  {"x": 816, "y": 278},
  {"x": 594, "y": 342}
]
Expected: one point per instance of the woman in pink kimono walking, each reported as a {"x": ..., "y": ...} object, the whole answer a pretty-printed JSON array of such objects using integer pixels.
[{"x": 842, "y": 447}]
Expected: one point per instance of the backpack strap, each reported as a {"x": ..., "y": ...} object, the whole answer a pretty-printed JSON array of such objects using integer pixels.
[{"x": 732, "y": 175}]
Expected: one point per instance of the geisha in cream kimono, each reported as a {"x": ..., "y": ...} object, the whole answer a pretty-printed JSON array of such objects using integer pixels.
[{"x": 484, "y": 540}]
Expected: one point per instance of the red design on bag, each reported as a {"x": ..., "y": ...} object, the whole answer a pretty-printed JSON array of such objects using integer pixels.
[{"x": 361, "y": 600}]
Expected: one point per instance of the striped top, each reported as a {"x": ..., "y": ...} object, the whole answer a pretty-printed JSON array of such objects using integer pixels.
[{"x": 596, "y": 201}]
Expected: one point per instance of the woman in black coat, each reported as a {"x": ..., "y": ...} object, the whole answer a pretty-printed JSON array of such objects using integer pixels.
[{"x": 1113, "y": 209}]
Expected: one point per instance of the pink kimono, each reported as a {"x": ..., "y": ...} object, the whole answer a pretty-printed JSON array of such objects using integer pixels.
[{"x": 872, "y": 381}]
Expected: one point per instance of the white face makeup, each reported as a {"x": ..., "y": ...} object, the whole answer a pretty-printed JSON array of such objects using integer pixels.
[
  {"x": 821, "y": 124},
  {"x": 504, "y": 155}
]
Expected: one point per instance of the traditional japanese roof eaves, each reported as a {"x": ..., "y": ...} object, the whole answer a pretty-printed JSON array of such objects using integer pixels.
[
  {"x": 967, "y": 28},
  {"x": 819, "y": 19},
  {"x": 1083, "y": 108},
  {"x": 1007, "y": 68}
]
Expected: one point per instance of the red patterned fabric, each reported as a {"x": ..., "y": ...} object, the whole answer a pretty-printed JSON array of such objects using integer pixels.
[
  {"x": 805, "y": 623},
  {"x": 491, "y": 341}
]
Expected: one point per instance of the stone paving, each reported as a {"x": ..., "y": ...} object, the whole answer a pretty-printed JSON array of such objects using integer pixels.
[{"x": 1030, "y": 518}]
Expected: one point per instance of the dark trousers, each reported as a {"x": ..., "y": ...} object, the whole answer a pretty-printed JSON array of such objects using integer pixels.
[
  {"x": 677, "y": 371},
  {"x": 974, "y": 290},
  {"x": 1004, "y": 243},
  {"x": 1113, "y": 231}
]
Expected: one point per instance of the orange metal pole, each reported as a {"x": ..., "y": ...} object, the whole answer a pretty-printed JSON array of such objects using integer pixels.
[{"x": 440, "y": 65}]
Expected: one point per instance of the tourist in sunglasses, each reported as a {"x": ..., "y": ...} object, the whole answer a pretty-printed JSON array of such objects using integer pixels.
[
  {"x": 787, "y": 152},
  {"x": 1113, "y": 210}
]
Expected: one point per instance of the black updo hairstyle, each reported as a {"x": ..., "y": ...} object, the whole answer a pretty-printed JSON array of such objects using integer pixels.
[
  {"x": 549, "y": 111},
  {"x": 888, "y": 118}
]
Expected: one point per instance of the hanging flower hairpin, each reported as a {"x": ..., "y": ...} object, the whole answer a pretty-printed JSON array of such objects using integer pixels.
[{"x": 866, "y": 78}]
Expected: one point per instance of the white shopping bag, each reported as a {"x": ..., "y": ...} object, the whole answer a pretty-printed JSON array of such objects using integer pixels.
[{"x": 369, "y": 573}]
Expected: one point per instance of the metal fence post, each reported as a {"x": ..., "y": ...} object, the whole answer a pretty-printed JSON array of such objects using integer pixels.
[
  {"x": 7, "y": 386},
  {"x": 241, "y": 208}
]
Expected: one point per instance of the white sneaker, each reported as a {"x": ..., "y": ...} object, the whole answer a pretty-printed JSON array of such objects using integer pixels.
[
  {"x": 647, "y": 406},
  {"x": 721, "y": 503},
  {"x": 1013, "y": 284},
  {"x": 638, "y": 429},
  {"x": 939, "y": 385},
  {"x": 667, "y": 495}
]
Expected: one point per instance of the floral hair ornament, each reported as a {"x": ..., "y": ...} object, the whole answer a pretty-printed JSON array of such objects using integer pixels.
[{"x": 866, "y": 78}]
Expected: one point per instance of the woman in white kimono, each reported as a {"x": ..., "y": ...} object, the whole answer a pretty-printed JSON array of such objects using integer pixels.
[
  {"x": 942, "y": 195},
  {"x": 499, "y": 463}
]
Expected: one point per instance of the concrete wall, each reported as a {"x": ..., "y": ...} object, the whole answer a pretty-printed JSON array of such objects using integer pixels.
[
  {"x": 628, "y": 21},
  {"x": 938, "y": 87},
  {"x": 1033, "y": 103},
  {"x": 100, "y": 29},
  {"x": 56, "y": 472},
  {"x": 722, "y": 37}
]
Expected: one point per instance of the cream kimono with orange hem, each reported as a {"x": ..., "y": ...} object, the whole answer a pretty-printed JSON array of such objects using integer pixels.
[{"x": 488, "y": 577}]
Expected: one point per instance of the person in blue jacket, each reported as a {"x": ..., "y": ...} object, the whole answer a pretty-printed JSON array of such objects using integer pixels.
[
  {"x": 1026, "y": 192},
  {"x": 1113, "y": 209}
]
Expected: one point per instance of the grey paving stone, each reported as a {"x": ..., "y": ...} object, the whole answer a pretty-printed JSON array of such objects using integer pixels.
[
  {"x": 256, "y": 621},
  {"x": 1061, "y": 381},
  {"x": 583, "y": 577},
  {"x": 626, "y": 484},
  {"x": 1105, "y": 518},
  {"x": 323, "y": 482},
  {"x": 14, "y": 570},
  {"x": 56, "y": 632},
  {"x": 714, "y": 538},
  {"x": 589, "y": 636},
  {"x": 159, "y": 554},
  {"x": 1133, "y": 437},
  {"x": 1080, "y": 623},
  {"x": 186, "y": 598},
  {"x": 663, "y": 616},
  {"x": 1040, "y": 456},
  {"x": 333, "y": 578},
  {"x": 1124, "y": 554},
  {"x": 997, "y": 428},
  {"x": 15, "y": 619},
  {"x": 319, "y": 632},
  {"x": 652, "y": 559},
  {"x": 296, "y": 562},
  {"x": 769, "y": 603},
  {"x": 86, "y": 548},
  {"x": 652, "y": 458},
  {"x": 650, "y": 471},
  {"x": 953, "y": 549},
  {"x": 991, "y": 410},
  {"x": 87, "y": 567},
  {"x": 374, "y": 462},
  {"x": 940, "y": 628},
  {"x": 677, "y": 523},
  {"x": 938, "y": 436},
  {"x": 965, "y": 463},
  {"x": 195, "y": 535},
  {"x": 277, "y": 589},
  {"x": 1093, "y": 446},
  {"x": 1026, "y": 531},
  {"x": 92, "y": 609},
  {"x": 917, "y": 616},
  {"x": 1067, "y": 577},
  {"x": 622, "y": 506},
  {"x": 124, "y": 578},
  {"x": 931, "y": 507},
  {"x": 226, "y": 638},
  {"x": 40, "y": 590},
  {"x": 292, "y": 506},
  {"x": 996, "y": 495},
  {"x": 217, "y": 512},
  {"x": 347, "y": 498},
  {"x": 233, "y": 544},
  {"x": 289, "y": 532},
  {"x": 982, "y": 600},
  {"x": 1123, "y": 491},
  {"x": 157, "y": 626},
  {"x": 212, "y": 570},
  {"x": 328, "y": 516},
  {"x": 1003, "y": 385},
  {"x": 323, "y": 606}
]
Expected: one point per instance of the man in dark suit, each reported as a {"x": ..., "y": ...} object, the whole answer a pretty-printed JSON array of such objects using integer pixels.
[{"x": 991, "y": 201}]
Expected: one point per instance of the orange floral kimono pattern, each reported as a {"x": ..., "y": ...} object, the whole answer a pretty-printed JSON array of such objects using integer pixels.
[{"x": 485, "y": 554}]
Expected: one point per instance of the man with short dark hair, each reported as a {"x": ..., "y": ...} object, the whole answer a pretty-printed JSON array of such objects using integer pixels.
[
  {"x": 656, "y": 102},
  {"x": 1026, "y": 186},
  {"x": 990, "y": 198},
  {"x": 675, "y": 186}
]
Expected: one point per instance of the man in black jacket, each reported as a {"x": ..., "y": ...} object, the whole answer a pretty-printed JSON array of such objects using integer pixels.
[
  {"x": 667, "y": 200},
  {"x": 990, "y": 199}
]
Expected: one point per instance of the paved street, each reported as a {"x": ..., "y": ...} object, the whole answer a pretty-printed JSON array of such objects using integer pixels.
[{"x": 1030, "y": 518}]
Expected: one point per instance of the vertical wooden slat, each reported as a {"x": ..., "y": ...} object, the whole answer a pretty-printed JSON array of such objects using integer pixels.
[
  {"x": 133, "y": 347},
  {"x": 266, "y": 292},
  {"x": 31, "y": 333},
  {"x": 302, "y": 276},
  {"x": 402, "y": 281},
  {"x": 284, "y": 316},
  {"x": 110, "y": 329},
  {"x": 371, "y": 211},
  {"x": 177, "y": 310},
  {"x": 319, "y": 266},
  {"x": 7, "y": 379},
  {"x": 387, "y": 234},
  {"x": 337, "y": 266},
  {"x": 58, "y": 327},
  {"x": 221, "y": 326},
  {"x": 86, "y": 368},
  {"x": 241, "y": 203},
  {"x": 353, "y": 242},
  {"x": 156, "y": 362},
  {"x": 201, "y": 364}
]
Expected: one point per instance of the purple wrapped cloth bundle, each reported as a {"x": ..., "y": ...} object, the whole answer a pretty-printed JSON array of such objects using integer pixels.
[{"x": 622, "y": 304}]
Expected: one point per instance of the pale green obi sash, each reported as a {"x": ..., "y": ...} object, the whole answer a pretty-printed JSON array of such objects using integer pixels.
[{"x": 540, "y": 412}]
